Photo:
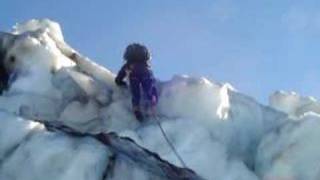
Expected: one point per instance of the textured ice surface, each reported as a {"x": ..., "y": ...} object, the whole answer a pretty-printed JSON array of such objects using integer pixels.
[{"x": 219, "y": 132}]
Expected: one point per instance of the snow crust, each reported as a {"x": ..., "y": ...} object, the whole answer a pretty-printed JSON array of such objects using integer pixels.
[{"x": 219, "y": 132}]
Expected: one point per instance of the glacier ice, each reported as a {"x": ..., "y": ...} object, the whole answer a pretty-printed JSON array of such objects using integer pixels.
[
  {"x": 293, "y": 104},
  {"x": 219, "y": 132}
]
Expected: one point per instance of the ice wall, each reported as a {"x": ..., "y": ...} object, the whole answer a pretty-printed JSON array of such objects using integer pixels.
[
  {"x": 219, "y": 132},
  {"x": 30, "y": 152}
]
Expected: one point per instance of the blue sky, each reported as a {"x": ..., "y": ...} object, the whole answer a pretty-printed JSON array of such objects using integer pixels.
[{"x": 259, "y": 46}]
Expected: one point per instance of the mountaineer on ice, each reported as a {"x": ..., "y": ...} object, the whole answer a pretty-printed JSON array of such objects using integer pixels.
[{"x": 138, "y": 71}]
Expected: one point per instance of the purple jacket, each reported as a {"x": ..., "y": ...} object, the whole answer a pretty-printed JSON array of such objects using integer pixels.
[{"x": 139, "y": 75}]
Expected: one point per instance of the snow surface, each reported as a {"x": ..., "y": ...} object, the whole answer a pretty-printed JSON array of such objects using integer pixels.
[{"x": 219, "y": 132}]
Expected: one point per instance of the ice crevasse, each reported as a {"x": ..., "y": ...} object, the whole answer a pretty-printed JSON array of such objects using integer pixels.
[{"x": 219, "y": 132}]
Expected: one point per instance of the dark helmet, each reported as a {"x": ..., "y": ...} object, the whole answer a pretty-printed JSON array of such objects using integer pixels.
[{"x": 136, "y": 53}]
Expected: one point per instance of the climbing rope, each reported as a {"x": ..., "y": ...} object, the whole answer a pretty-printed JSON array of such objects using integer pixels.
[{"x": 168, "y": 140}]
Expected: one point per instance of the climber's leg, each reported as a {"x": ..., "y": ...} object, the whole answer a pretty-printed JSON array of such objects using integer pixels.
[
  {"x": 135, "y": 93},
  {"x": 149, "y": 90}
]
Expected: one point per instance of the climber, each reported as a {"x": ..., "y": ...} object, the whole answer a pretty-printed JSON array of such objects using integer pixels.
[
  {"x": 138, "y": 71},
  {"x": 4, "y": 75}
]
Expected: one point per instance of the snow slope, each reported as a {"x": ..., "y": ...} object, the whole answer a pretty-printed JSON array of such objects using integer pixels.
[{"x": 219, "y": 132}]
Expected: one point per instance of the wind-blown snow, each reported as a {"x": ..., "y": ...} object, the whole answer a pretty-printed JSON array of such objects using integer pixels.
[{"x": 220, "y": 133}]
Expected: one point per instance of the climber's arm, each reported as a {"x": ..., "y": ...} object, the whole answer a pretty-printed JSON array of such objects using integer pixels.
[{"x": 120, "y": 77}]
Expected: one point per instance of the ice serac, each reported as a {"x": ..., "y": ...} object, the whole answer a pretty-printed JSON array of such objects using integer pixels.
[
  {"x": 62, "y": 117},
  {"x": 292, "y": 150},
  {"x": 294, "y": 104}
]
